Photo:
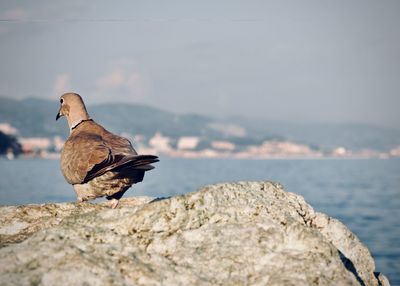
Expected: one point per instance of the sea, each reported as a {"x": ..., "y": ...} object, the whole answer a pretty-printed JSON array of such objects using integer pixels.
[{"x": 363, "y": 193}]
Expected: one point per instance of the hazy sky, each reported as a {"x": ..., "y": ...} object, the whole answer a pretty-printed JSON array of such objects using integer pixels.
[{"x": 303, "y": 61}]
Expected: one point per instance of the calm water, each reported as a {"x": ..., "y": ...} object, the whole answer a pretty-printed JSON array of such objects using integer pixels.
[{"x": 364, "y": 194}]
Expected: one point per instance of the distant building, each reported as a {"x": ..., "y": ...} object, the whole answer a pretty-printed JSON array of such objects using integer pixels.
[
  {"x": 188, "y": 143},
  {"x": 279, "y": 149},
  {"x": 160, "y": 143},
  {"x": 340, "y": 151},
  {"x": 58, "y": 143},
  {"x": 208, "y": 153},
  {"x": 6, "y": 128},
  {"x": 223, "y": 145},
  {"x": 30, "y": 145},
  {"x": 395, "y": 152}
]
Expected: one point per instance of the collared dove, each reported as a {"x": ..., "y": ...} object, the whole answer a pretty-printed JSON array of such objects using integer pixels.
[{"x": 95, "y": 161}]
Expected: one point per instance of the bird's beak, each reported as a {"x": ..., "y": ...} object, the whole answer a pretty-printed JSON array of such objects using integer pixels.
[{"x": 59, "y": 114}]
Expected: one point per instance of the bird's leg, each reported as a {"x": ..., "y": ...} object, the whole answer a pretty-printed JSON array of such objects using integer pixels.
[
  {"x": 114, "y": 203},
  {"x": 82, "y": 201}
]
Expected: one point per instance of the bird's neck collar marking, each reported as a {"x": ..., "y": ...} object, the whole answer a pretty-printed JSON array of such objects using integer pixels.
[{"x": 79, "y": 123}]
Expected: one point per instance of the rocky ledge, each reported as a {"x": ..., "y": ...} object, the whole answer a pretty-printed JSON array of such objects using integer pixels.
[{"x": 246, "y": 233}]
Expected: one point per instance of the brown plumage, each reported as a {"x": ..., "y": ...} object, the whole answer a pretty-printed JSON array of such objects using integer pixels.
[{"x": 95, "y": 161}]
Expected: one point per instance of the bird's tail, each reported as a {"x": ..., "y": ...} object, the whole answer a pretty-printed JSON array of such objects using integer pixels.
[
  {"x": 127, "y": 163},
  {"x": 140, "y": 162},
  {"x": 136, "y": 166}
]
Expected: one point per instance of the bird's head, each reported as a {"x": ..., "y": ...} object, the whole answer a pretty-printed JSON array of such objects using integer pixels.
[{"x": 73, "y": 108}]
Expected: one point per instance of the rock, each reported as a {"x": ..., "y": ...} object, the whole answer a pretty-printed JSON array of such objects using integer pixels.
[
  {"x": 19, "y": 222},
  {"x": 247, "y": 233}
]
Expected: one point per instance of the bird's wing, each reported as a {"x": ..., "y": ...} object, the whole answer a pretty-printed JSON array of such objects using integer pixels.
[
  {"x": 84, "y": 154},
  {"x": 123, "y": 164},
  {"x": 87, "y": 155}
]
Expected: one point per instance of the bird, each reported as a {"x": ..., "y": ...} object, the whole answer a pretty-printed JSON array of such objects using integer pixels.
[{"x": 94, "y": 161}]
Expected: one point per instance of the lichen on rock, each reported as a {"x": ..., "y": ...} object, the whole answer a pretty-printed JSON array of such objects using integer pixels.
[{"x": 246, "y": 233}]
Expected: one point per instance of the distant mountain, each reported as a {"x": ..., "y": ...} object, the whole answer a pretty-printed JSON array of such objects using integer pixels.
[
  {"x": 326, "y": 136},
  {"x": 31, "y": 116},
  {"x": 35, "y": 117}
]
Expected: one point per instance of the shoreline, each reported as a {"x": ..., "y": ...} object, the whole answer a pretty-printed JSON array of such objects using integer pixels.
[{"x": 56, "y": 156}]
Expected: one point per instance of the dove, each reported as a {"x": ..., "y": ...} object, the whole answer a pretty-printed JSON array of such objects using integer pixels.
[{"x": 94, "y": 161}]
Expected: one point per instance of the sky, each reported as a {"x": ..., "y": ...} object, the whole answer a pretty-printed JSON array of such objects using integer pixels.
[{"x": 298, "y": 61}]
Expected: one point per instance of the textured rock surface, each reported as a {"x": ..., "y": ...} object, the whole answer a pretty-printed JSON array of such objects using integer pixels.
[{"x": 249, "y": 233}]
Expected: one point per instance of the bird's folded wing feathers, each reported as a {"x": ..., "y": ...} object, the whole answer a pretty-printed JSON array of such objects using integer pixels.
[
  {"x": 81, "y": 155},
  {"x": 138, "y": 162},
  {"x": 86, "y": 157}
]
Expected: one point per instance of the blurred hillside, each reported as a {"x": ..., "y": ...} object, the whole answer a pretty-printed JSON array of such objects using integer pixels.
[{"x": 35, "y": 117}]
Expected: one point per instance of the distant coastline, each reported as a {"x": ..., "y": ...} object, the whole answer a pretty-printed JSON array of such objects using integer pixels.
[
  {"x": 30, "y": 131},
  {"x": 193, "y": 147},
  {"x": 382, "y": 156}
]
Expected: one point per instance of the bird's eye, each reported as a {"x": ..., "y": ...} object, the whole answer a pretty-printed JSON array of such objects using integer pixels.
[{"x": 61, "y": 100}]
